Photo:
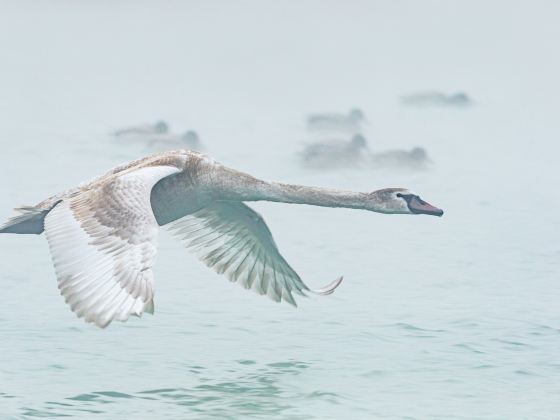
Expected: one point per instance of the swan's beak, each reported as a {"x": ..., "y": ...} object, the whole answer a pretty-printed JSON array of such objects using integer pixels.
[{"x": 419, "y": 206}]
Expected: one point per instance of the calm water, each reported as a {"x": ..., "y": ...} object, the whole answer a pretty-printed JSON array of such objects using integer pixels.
[{"x": 451, "y": 318}]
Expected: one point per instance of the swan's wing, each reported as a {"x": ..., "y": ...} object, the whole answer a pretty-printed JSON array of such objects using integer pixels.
[
  {"x": 103, "y": 244},
  {"x": 234, "y": 240}
]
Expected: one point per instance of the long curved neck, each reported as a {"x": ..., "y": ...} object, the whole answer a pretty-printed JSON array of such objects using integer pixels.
[
  {"x": 228, "y": 184},
  {"x": 315, "y": 196}
]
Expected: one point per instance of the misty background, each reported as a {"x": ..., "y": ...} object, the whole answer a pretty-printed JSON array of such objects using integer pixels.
[{"x": 455, "y": 317}]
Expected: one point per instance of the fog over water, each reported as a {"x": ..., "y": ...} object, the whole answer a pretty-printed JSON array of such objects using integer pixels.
[{"x": 455, "y": 317}]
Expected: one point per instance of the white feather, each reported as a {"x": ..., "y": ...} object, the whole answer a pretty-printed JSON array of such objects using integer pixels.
[
  {"x": 103, "y": 244},
  {"x": 234, "y": 240}
]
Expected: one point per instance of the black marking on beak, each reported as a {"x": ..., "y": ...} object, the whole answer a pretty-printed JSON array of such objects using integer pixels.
[{"x": 418, "y": 206}]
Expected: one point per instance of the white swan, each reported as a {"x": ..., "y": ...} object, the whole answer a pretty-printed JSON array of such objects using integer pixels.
[
  {"x": 103, "y": 234},
  {"x": 336, "y": 153},
  {"x": 159, "y": 127},
  {"x": 188, "y": 140},
  {"x": 416, "y": 158},
  {"x": 337, "y": 122},
  {"x": 434, "y": 98}
]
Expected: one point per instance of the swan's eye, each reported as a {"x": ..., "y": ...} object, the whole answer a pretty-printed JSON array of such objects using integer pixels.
[{"x": 399, "y": 195}]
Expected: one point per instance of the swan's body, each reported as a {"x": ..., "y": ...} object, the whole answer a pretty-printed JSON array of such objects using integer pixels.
[
  {"x": 458, "y": 99},
  {"x": 416, "y": 158},
  {"x": 337, "y": 122},
  {"x": 103, "y": 234},
  {"x": 160, "y": 127},
  {"x": 336, "y": 153}
]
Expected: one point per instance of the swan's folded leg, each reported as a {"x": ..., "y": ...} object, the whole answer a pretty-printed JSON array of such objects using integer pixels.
[{"x": 29, "y": 221}]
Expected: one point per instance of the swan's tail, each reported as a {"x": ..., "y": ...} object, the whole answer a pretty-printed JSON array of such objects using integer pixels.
[
  {"x": 29, "y": 221},
  {"x": 329, "y": 288}
]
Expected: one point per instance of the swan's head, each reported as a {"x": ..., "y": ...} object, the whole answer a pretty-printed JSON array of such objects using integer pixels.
[
  {"x": 459, "y": 98},
  {"x": 418, "y": 153},
  {"x": 358, "y": 142},
  {"x": 161, "y": 127},
  {"x": 400, "y": 201},
  {"x": 357, "y": 115}
]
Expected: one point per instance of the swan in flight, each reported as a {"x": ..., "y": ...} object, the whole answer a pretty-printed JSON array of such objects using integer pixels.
[
  {"x": 103, "y": 234},
  {"x": 160, "y": 127}
]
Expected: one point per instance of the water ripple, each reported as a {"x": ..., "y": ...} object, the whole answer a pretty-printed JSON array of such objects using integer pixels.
[{"x": 259, "y": 392}]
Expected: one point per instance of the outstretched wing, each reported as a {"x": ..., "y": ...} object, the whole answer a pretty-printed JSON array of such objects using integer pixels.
[
  {"x": 234, "y": 240},
  {"x": 103, "y": 244}
]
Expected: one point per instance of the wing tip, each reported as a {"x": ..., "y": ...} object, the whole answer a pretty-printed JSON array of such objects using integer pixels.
[
  {"x": 329, "y": 288},
  {"x": 102, "y": 321}
]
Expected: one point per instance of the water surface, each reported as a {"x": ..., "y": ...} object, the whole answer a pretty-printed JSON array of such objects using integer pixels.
[{"x": 451, "y": 318}]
